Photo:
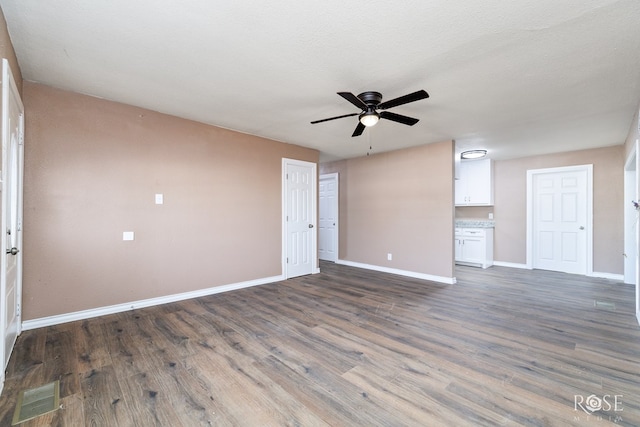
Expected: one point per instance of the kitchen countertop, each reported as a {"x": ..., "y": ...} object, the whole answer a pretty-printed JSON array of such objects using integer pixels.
[{"x": 475, "y": 223}]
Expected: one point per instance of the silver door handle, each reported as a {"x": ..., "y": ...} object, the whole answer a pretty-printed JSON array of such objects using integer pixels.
[
  {"x": 581, "y": 227},
  {"x": 310, "y": 225},
  {"x": 13, "y": 251}
]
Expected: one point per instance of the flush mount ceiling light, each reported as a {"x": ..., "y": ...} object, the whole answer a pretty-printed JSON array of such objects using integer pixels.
[
  {"x": 369, "y": 118},
  {"x": 473, "y": 154}
]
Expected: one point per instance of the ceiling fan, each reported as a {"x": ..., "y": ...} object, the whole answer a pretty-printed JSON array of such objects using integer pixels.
[{"x": 370, "y": 103}]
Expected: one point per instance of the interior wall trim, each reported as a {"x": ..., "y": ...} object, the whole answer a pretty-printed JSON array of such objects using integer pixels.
[
  {"x": 415, "y": 275},
  {"x": 119, "y": 308}
]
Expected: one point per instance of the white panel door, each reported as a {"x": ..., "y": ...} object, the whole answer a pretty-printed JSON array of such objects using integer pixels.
[
  {"x": 300, "y": 214},
  {"x": 560, "y": 221},
  {"x": 328, "y": 218},
  {"x": 12, "y": 176}
]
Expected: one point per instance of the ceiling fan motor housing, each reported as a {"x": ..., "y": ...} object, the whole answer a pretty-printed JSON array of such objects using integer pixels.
[{"x": 371, "y": 98}]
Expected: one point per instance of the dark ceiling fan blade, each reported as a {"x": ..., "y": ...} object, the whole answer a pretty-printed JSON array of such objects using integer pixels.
[
  {"x": 333, "y": 118},
  {"x": 359, "y": 130},
  {"x": 353, "y": 99},
  {"x": 415, "y": 96},
  {"x": 398, "y": 118}
]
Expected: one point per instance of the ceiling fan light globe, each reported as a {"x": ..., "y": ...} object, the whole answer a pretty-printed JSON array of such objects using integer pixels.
[{"x": 369, "y": 118}]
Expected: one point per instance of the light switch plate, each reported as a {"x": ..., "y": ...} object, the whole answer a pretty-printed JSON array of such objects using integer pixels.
[
  {"x": 127, "y": 235},
  {"x": 159, "y": 199}
]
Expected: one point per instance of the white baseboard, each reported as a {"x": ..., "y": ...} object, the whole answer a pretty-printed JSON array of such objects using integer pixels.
[
  {"x": 611, "y": 276},
  {"x": 439, "y": 279},
  {"x": 511, "y": 265},
  {"x": 118, "y": 308}
]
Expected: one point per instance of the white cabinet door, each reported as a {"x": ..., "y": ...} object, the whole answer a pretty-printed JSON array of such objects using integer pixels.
[
  {"x": 475, "y": 185},
  {"x": 461, "y": 190},
  {"x": 479, "y": 182},
  {"x": 474, "y": 246},
  {"x": 474, "y": 250},
  {"x": 458, "y": 248}
]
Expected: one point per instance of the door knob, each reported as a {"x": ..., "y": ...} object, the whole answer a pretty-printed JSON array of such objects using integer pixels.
[
  {"x": 310, "y": 225},
  {"x": 581, "y": 227},
  {"x": 13, "y": 251}
]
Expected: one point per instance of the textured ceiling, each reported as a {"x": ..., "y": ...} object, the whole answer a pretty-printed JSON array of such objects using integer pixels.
[{"x": 516, "y": 77}]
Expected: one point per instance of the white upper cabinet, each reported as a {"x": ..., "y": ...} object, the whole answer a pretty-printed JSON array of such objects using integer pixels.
[{"x": 474, "y": 187}]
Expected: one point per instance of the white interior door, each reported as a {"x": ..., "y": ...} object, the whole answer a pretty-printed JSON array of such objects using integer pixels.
[
  {"x": 12, "y": 175},
  {"x": 561, "y": 224},
  {"x": 328, "y": 219},
  {"x": 300, "y": 218}
]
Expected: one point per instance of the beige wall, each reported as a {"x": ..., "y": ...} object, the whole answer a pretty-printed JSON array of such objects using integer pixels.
[
  {"x": 511, "y": 200},
  {"x": 6, "y": 51},
  {"x": 400, "y": 202},
  {"x": 92, "y": 170}
]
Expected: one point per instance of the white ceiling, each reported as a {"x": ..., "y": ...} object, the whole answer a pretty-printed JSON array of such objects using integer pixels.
[{"x": 516, "y": 77}]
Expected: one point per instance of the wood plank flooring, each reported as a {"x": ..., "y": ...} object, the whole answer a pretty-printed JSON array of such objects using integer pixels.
[{"x": 350, "y": 347}]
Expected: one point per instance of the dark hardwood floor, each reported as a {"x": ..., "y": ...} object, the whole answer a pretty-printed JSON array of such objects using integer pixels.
[{"x": 350, "y": 347}]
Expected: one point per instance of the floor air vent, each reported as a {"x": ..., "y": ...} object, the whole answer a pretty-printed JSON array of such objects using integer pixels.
[
  {"x": 604, "y": 305},
  {"x": 37, "y": 401}
]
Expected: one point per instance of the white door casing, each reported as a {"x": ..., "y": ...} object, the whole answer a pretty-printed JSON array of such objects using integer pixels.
[
  {"x": 559, "y": 219},
  {"x": 632, "y": 222},
  {"x": 300, "y": 253},
  {"x": 631, "y": 217},
  {"x": 328, "y": 218},
  {"x": 11, "y": 242}
]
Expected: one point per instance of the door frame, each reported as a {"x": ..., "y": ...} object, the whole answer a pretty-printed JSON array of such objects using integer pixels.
[
  {"x": 530, "y": 210},
  {"x": 631, "y": 218},
  {"x": 313, "y": 209},
  {"x": 632, "y": 223},
  {"x": 336, "y": 211}
]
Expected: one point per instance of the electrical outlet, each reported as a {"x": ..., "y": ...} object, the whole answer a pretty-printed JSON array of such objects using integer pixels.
[
  {"x": 491, "y": 215},
  {"x": 389, "y": 257}
]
